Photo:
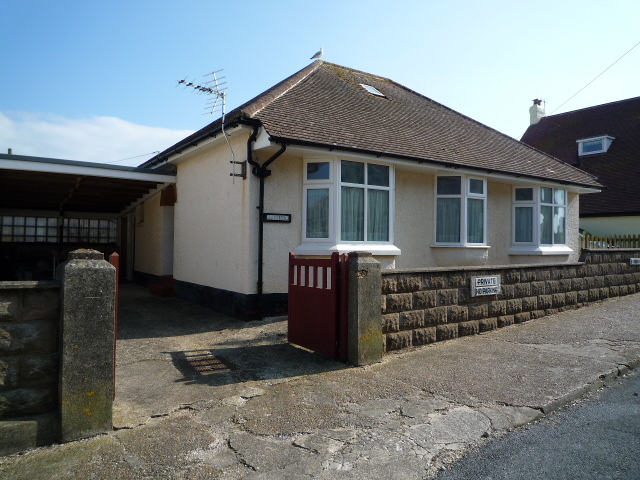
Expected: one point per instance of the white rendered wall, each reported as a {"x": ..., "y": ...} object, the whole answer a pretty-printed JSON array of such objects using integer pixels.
[
  {"x": 283, "y": 194},
  {"x": 216, "y": 220},
  {"x": 611, "y": 225},
  {"x": 149, "y": 237}
]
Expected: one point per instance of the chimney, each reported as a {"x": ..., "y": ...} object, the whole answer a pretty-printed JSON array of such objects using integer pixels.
[
  {"x": 536, "y": 111},
  {"x": 10, "y": 152}
]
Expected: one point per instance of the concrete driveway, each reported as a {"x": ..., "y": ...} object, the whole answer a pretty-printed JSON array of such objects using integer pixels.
[{"x": 171, "y": 354}]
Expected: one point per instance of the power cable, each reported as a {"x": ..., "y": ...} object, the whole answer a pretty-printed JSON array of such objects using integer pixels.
[
  {"x": 596, "y": 77},
  {"x": 131, "y": 158}
]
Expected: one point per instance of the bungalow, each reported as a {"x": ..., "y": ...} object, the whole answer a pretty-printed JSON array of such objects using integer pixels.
[
  {"x": 333, "y": 159},
  {"x": 602, "y": 140}
]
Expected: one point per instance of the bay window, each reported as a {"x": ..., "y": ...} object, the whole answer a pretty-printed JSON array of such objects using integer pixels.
[
  {"x": 347, "y": 202},
  {"x": 460, "y": 210},
  {"x": 539, "y": 216}
]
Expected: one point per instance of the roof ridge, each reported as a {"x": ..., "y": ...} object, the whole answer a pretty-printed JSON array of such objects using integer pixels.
[
  {"x": 592, "y": 107},
  {"x": 361, "y": 72},
  {"x": 261, "y": 101}
]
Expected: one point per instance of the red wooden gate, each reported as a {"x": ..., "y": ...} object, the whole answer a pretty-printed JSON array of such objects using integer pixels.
[{"x": 317, "y": 304}]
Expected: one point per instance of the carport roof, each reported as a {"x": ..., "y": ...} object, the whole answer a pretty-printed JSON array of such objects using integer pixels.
[{"x": 36, "y": 183}]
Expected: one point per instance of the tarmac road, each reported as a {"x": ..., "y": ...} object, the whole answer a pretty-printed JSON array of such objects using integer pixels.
[{"x": 597, "y": 438}]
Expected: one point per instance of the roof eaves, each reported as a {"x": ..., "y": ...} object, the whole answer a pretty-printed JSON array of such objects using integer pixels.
[{"x": 486, "y": 171}]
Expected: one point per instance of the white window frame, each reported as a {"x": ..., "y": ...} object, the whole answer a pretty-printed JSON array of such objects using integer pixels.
[
  {"x": 318, "y": 184},
  {"x": 323, "y": 246},
  {"x": 465, "y": 195},
  {"x": 366, "y": 187},
  {"x": 536, "y": 247},
  {"x": 606, "y": 143}
]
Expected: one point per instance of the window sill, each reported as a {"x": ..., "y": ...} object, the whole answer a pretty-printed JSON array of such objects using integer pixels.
[
  {"x": 538, "y": 250},
  {"x": 329, "y": 248},
  {"x": 456, "y": 245}
]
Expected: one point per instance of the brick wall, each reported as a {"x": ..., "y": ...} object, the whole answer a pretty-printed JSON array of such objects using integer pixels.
[
  {"x": 429, "y": 305},
  {"x": 29, "y": 322}
]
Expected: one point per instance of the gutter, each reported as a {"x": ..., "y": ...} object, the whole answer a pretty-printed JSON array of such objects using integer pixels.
[{"x": 444, "y": 164}]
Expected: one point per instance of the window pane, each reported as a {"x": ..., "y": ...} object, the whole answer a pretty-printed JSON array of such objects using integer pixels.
[
  {"x": 559, "y": 197},
  {"x": 476, "y": 186},
  {"x": 378, "y": 216},
  {"x": 546, "y": 225},
  {"x": 592, "y": 146},
  {"x": 524, "y": 194},
  {"x": 546, "y": 195},
  {"x": 318, "y": 171},
  {"x": 524, "y": 224},
  {"x": 448, "y": 220},
  {"x": 318, "y": 213},
  {"x": 378, "y": 175},
  {"x": 559, "y": 222},
  {"x": 475, "y": 220},
  {"x": 352, "y": 172},
  {"x": 352, "y": 228},
  {"x": 449, "y": 186}
]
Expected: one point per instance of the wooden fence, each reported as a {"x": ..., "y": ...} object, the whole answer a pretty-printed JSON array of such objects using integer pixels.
[{"x": 609, "y": 241}]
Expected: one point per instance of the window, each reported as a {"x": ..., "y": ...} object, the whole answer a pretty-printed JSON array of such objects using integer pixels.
[
  {"x": 362, "y": 193},
  {"x": 372, "y": 90},
  {"x": 590, "y": 146},
  {"x": 364, "y": 202},
  {"x": 549, "y": 206},
  {"x": 19, "y": 229},
  {"x": 460, "y": 210}
]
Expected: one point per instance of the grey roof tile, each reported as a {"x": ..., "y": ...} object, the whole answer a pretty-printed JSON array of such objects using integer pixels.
[{"x": 324, "y": 105}]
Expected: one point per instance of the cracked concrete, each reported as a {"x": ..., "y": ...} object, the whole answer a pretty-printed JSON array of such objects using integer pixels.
[{"x": 269, "y": 410}]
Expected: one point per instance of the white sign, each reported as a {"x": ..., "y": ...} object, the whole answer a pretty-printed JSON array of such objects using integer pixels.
[
  {"x": 277, "y": 217},
  {"x": 485, "y": 286},
  {"x": 634, "y": 261}
]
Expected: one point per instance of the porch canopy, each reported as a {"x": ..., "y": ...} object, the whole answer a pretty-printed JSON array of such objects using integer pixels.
[{"x": 36, "y": 183}]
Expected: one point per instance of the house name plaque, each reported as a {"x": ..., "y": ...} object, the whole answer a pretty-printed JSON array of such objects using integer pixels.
[
  {"x": 481, "y": 286},
  {"x": 277, "y": 217}
]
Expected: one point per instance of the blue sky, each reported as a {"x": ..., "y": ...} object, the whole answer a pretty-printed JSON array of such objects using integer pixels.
[{"x": 96, "y": 81}]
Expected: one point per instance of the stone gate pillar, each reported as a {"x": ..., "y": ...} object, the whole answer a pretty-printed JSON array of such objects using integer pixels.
[
  {"x": 87, "y": 344},
  {"x": 364, "y": 317}
]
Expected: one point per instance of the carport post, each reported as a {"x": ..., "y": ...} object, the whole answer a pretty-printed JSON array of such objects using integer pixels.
[
  {"x": 364, "y": 317},
  {"x": 86, "y": 345}
]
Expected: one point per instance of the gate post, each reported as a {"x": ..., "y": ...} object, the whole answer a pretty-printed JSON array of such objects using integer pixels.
[
  {"x": 364, "y": 317},
  {"x": 86, "y": 345}
]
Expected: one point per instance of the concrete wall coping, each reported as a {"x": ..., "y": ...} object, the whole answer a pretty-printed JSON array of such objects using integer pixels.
[
  {"x": 30, "y": 284},
  {"x": 610, "y": 250},
  {"x": 480, "y": 268}
]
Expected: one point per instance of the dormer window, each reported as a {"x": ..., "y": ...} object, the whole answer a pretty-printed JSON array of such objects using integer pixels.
[{"x": 593, "y": 145}]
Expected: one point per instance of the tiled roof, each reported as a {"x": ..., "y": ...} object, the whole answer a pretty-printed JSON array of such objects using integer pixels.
[
  {"x": 618, "y": 169},
  {"x": 325, "y": 105}
]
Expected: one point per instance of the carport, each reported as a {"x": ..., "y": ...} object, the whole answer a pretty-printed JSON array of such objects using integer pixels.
[{"x": 49, "y": 207}]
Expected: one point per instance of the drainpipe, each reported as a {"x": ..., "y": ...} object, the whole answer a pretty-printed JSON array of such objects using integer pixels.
[{"x": 262, "y": 172}]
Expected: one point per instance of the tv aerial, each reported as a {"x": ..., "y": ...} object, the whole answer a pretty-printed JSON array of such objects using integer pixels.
[{"x": 217, "y": 91}]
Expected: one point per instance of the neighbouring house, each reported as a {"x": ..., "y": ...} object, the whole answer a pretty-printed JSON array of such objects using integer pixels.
[
  {"x": 604, "y": 141},
  {"x": 333, "y": 159}
]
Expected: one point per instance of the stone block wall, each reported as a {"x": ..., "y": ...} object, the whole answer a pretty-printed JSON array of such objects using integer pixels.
[
  {"x": 429, "y": 305},
  {"x": 57, "y": 354},
  {"x": 29, "y": 353}
]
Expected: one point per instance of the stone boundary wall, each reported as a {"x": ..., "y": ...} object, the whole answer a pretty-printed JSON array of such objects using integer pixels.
[
  {"x": 57, "y": 354},
  {"x": 429, "y": 305},
  {"x": 29, "y": 323}
]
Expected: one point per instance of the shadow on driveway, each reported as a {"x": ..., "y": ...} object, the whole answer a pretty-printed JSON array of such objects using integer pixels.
[{"x": 171, "y": 353}]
